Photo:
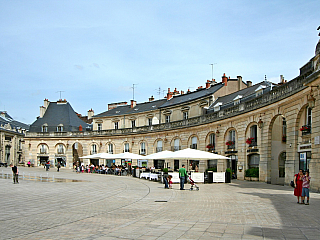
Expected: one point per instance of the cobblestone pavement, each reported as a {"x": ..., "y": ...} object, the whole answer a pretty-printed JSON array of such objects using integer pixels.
[{"x": 114, "y": 207}]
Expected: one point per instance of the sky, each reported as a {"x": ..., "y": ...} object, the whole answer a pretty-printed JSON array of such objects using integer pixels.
[{"x": 92, "y": 52}]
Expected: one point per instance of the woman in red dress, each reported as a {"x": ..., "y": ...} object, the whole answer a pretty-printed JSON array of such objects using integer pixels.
[{"x": 298, "y": 184}]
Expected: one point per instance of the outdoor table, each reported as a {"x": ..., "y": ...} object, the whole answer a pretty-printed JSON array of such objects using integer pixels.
[{"x": 146, "y": 175}]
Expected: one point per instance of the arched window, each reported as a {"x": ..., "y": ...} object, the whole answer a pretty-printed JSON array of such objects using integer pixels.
[
  {"x": 44, "y": 128},
  {"x": 194, "y": 143},
  {"x": 142, "y": 148},
  {"x": 93, "y": 149},
  {"x": 60, "y": 128},
  {"x": 43, "y": 149},
  {"x": 110, "y": 148},
  {"x": 126, "y": 147},
  {"x": 159, "y": 146},
  {"x": 60, "y": 149},
  {"x": 176, "y": 146}
]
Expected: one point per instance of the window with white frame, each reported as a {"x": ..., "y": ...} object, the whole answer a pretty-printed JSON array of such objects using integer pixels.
[
  {"x": 232, "y": 135},
  {"x": 194, "y": 142},
  {"x": 116, "y": 125},
  {"x": 176, "y": 144},
  {"x": 185, "y": 115},
  {"x": 93, "y": 149},
  {"x": 143, "y": 148},
  {"x": 60, "y": 149},
  {"x": 43, "y": 149},
  {"x": 133, "y": 123},
  {"x": 60, "y": 128},
  {"x": 126, "y": 147},
  {"x": 99, "y": 126},
  {"x": 110, "y": 148},
  {"x": 159, "y": 146},
  {"x": 150, "y": 121},
  {"x": 167, "y": 118},
  {"x": 44, "y": 128},
  {"x": 309, "y": 116}
]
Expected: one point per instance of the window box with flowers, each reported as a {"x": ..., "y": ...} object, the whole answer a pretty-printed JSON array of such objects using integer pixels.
[
  {"x": 210, "y": 147},
  {"x": 284, "y": 138},
  {"x": 305, "y": 129},
  {"x": 230, "y": 144},
  {"x": 251, "y": 141}
]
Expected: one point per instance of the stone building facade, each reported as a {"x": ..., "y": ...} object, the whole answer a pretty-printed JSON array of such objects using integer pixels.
[
  {"x": 271, "y": 126},
  {"x": 11, "y": 140}
]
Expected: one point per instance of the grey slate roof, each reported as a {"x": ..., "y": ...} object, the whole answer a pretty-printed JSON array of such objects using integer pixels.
[
  {"x": 56, "y": 114},
  {"x": 180, "y": 99},
  {"x": 246, "y": 93},
  {"x": 7, "y": 119},
  {"x": 126, "y": 110}
]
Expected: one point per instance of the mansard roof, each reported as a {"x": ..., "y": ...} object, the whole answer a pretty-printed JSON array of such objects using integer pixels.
[
  {"x": 57, "y": 114},
  {"x": 8, "y": 123},
  {"x": 188, "y": 97},
  {"x": 246, "y": 94},
  {"x": 126, "y": 109}
]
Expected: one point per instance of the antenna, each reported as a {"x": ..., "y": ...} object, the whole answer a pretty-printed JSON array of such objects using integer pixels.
[
  {"x": 212, "y": 64},
  {"x": 60, "y": 93},
  {"x": 133, "y": 90},
  {"x": 158, "y": 91}
]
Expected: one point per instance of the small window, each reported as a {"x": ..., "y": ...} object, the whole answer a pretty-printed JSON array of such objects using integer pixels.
[
  {"x": 150, "y": 121},
  {"x": 60, "y": 149},
  {"x": 94, "y": 149},
  {"x": 116, "y": 125},
  {"x": 133, "y": 123},
  {"x": 159, "y": 146},
  {"x": 126, "y": 147},
  {"x": 60, "y": 128},
  {"x": 185, "y": 115},
  {"x": 110, "y": 148},
  {"x": 43, "y": 149},
  {"x": 143, "y": 148},
  {"x": 167, "y": 118},
  {"x": 44, "y": 128},
  {"x": 99, "y": 126}
]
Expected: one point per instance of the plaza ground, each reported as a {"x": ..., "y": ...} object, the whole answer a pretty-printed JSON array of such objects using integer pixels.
[{"x": 122, "y": 207}]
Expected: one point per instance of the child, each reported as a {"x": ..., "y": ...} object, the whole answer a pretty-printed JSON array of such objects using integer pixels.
[
  {"x": 170, "y": 181},
  {"x": 305, "y": 187}
]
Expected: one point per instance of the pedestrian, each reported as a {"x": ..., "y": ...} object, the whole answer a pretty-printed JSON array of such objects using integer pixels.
[
  {"x": 170, "y": 181},
  {"x": 58, "y": 166},
  {"x": 305, "y": 187},
  {"x": 47, "y": 166},
  {"x": 15, "y": 173},
  {"x": 165, "y": 178},
  {"x": 182, "y": 176},
  {"x": 29, "y": 163},
  {"x": 298, "y": 184}
]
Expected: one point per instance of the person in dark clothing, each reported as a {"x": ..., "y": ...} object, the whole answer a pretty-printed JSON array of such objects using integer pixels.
[
  {"x": 165, "y": 179},
  {"x": 58, "y": 166},
  {"x": 15, "y": 174}
]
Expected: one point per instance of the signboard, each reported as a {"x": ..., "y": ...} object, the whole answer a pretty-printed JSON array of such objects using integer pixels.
[
  {"x": 219, "y": 177},
  {"x": 197, "y": 177}
]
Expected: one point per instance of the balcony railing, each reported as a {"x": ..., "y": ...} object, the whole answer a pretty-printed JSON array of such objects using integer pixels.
[
  {"x": 253, "y": 143},
  {"x": 278, "y": 93},
  {"x": 232, "y": 146},
  {"x": 175, "y": 148}
]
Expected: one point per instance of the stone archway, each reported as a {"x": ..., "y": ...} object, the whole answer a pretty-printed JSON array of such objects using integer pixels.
[{"x": 77, "y": 152}]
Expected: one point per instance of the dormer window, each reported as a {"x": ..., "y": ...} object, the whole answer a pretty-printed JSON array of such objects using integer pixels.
[
  {"x": 259, "y": 90},
  {"x": 44, "y": 128},
  {"x": 60, "y": 128},
  {"x": 99, "y": 126},
  {"x": 217, "y": 106},
  {"x": 185, "y": 115},
  {"x": 237, "y": 99}
]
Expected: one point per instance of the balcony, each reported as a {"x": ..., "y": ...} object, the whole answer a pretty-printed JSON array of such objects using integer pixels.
[
  {"x": 305, "y": 130},
  {"x": 232, "y": 146},
  {"x": 253, "y": 144}
]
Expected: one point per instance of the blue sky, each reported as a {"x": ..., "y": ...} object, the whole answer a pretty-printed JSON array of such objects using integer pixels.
[{"x": 95, "y": 50}]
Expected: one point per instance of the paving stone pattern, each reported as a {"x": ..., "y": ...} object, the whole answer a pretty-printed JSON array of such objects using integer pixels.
[{"x": 122, "y": 207}]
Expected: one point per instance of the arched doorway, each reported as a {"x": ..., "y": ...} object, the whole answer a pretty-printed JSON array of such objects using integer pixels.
[{"x": 77, "y": 152}]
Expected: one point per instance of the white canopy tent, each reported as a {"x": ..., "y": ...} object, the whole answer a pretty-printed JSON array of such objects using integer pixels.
[
  {"x": 158, "y": 155},
  {"x": 125, "y": 155},
  {"x": 194, "y": 154}
]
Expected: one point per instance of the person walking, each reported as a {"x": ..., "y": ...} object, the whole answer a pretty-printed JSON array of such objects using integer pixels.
[
  {"x": 15, "y": 174},
  {"x": 165, "y": 178},
  {"x": 305, "y": 188},
  {"x": 298, "y": 185},
  {"x": 182, "y": 176},
  {"x": 58, "y": 167}
]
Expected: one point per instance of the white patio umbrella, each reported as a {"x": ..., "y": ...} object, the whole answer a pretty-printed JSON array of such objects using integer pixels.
[
  {"x": 125, "y": 155},
  {"x": 193, "y": 154},
  {"x": 97, "y": 155},
  {"x": 158, "y": 155}
]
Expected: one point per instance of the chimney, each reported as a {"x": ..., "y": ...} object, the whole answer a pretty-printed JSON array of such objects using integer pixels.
[
  {"x": 169, "y": 94},
  {"x": 239, "y": 82},
  {"x": 249, "y": 83},
  {"x": 151, "y": 99},
  {"x": 46, "y": 103},
  {"x": 224, "y": 79},
  {"x": 182, "y": 92},
  {"x": 90, "y": 113},
  {"x": 281, "y": 79},
  {"x": 44, "y": 107},
  {"x": 133, "y": 103},
  {"x": 208, "y": 83}
]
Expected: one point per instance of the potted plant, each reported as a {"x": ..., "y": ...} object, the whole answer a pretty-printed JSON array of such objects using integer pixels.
[
  {"x": 304, "y": 128},
  {"x": 228, "y": 175},
  {"x": 252, "y": 174}
]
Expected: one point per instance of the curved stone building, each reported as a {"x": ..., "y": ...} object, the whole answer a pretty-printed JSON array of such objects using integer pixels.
[{"x": 273, "y": 127}]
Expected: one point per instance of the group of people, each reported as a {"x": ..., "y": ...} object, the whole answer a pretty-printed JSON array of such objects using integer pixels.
[
  {"x": 167, "y": 179},
  {"x": 102, "y": 169},
  {"x": 301, "y": 186}
]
